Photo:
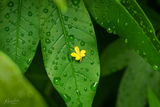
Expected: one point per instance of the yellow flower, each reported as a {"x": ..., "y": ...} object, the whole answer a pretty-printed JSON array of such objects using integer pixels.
[{"x": 79, "y": 54}]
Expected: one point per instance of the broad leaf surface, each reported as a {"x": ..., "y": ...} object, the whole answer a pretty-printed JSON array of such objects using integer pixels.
[
  {"x": 125, "y": 18},
  {"x": 153, "y": 100},
  {"x": 61, "y": 32},
  {"x": 19, "y": 27},
  {"x": 138, "y": 74},
  {"x": 15, "y": 90},
  {"x": 116, "y": 56}
]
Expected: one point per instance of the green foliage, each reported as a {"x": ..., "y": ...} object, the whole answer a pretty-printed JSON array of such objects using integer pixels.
[
  {"x": 53, "y": 28},
  {"x": 153, "y": 101},
  {"x": 16, "y": 91},
  {"x": 128, "y": 21}
]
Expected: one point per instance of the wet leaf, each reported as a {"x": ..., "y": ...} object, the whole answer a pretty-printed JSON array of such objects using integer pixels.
[
  {"x": 125, "y": 18},
  {"x": 138, "y": 74},
  {"x": 153, "y": 101},
  {"x": 16, "y": 91},
  {"x": 61, "y": 32},
  {"x": 19, "y": 29}
]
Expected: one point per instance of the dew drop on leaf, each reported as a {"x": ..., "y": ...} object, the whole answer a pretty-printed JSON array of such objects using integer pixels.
[
  {"x": 71, "y": 37},
  {"x": 85, "y": 89},
  {"x": 109, "y": 30},
  {"x": 69, "y": 26},
  {"x": 10, "y": 4},
  {"x": 144, "y": 53},
  {"x": 137, "y": 51},
  {"x": 92, "y": 52},
  {"x": 101, "y": 23},
  {"x": 92, "y": 62},
  {"x": 7, "y": 28},
  {"x": 44, "y": 48},
  {"x": 78, "y": 92},
  {"x": 126, "y": 24},
  {"x": 75, "y": 19},
  {"x": 45, "y": 10},
  {"x": 47, "y": 41},
  {"x": 57, "y": 80},
  {"x": 155, "y": 67},
  {"x": 94, "y": 86},
  {"x": 75, "y": 2},
  {"x": 22, "y": 34},
  {"x": 90, "y": 30},
  {"x": 49, "y": 51},
  {"x": 64, "y": 58},
  {"x": 65, "y": 74},
  {"x": 96, "y": 18},
  {"x": 33, "y": 42},
  {"x": 85, "y": 78},
  {"x": 7, "y": 40},
  {"x": 118, "y": 21},
  {"x": 29, "y": 61},
  {"x": 65, "y": 97},
  {"x": 7, "y": 16},
  {"x": 82, "y": 43},
  {"x": 126, "y": 41},
  {"x": 56, "y": 68},
  {"x": 102, "y": 1},
  {"x": 30, "y": 33},
  {"x": 48, "y": 34},
  {"x": 30, "y": 13},
  {"x": 65, "y": 18},
  {"x": 24, "y": 53}
]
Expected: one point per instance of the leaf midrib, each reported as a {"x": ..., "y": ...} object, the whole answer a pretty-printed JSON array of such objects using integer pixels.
[
  {"x": 68, "y": 47},
  {"x": 18, "y": 26}
]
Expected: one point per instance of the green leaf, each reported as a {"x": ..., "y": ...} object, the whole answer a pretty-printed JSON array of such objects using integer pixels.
[
  {"x": 15, "y": 90},
  {"x": 115, "y": 57},
  {"x": 125, "y": 18},
  {"x": 61, "y": 32},
  {"x": 19, "y": 37},
  {"x": 153, "y": 101}
]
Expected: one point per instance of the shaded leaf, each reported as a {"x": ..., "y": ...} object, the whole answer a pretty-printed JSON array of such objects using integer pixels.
[
  {"x": 15, "y": 90},
  {"x": 61, "y": 32},
  {"x": 125, "y": 18},
  {"x": 153, "y": 101},
  {"x": 19, "y": 29},
  {"x": 115, "y": 57}
]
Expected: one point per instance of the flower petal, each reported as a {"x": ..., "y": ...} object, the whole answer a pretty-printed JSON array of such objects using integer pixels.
[
  {"x": 77, "y": 50},
  {"x": 77, "y": 57},
  {"x": 83, "y": 53}
]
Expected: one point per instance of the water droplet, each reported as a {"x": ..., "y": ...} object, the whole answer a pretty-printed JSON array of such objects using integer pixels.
[
  {"x": 71, "y": 37},
  {"x": 49, "y": 51},
  {"x": 144, "y": 53},
  {"x": 64, "y": 58},
  {"x": 75, "y": 19},
  {"x": 150, "y": 31},
  {"x": 87, "y": 69},
  {"x": 85, "y": 78},
  {"x": 22, "y": 34},
  {"x": 57, "y": 80},
  {"x": 155, "y": 67},
  {"x": 78, "y": 92},
  {"x": 33, "y": 42},
  {"x": 10, "y": 4},
  {"x": 109, "y": 30},
  {"x": 29, "y": 61},
  {"x": 65, "y": 74},
  {"x": 7, "y": 40},
  {"x": 7, "y": 16},
  {"x": 47, "y": 41},
  {"x": 65, "y": 97},
  {"x": 82, "y": 43},
  {"x": 75, "y": 2},
  {"x": 65, "y": 18},
  {"x": 126, "y": 24},
  {"x": 126, "y": 41},
  {"x": 85, "y": 89},
  {"x": 137, "y": 51},
  {"x": 90, "y": 30},
  {"x": 56, "y": 68},
  {"x": 24, "y": 53},
  {"x": 30, "y": 33},
  {"x": 45, "y": 10},
  {"x": 92, "y": 52},
  {"x": 114, "y": 32},
  {"x": 96, "y": 18},
  {"x": 61, "y": 84},
  {"x": 102, "y": 1},
  {"x": 142, "y": 41},
  {"x": 92, "y": 62},
  {"x": 8, "y": 49},
  {"x": 30, "y": 13},
  {"x": 145, "y": 59},
  {"x": 7, "y": 28},
  {"x": 44, "y": 49},
  {"x": 94, "y": 86},
  {"x": 69, "y": 26},
  {"x": 118, "y": 21},
  {"x": 101, "y": 23}
]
